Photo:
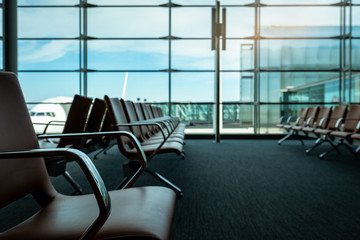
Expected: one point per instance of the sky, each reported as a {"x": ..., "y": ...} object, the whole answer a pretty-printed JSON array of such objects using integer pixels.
[{"x": 152, "y": 55}]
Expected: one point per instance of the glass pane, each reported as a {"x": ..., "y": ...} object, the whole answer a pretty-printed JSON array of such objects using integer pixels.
[
  {"x": 302, "y": 2},
  {"x": 128, "y": 22},
  {"x": 239, "y": 55},
  {"x": 191, "y": 22},
  {"x": 38, "y": 87},
  {"x": 299, "y": 54},
  {"x": 192, "y": 87},
  {"x": 355, "y": 88},
  {"x": 355, "y": 54},
  {"x": 299, "y": 87},
  {"x": 195, "y": 2},
  {"x": 127, "y": 2},
  {"x": 238, "y": 119},
  {"x": 134, "y": 54},
  {"x": 34, "y": 22},
  {"x": 237, "y": 87},
  {"x": 150, "y": 87},
  {"x": 47, "y": 2},
  {"x": 236, "y": 2},
  {"x": 355, "y": 31},
  {"x": 198, "y": 116},
  {"x": 290, "y": 22},
  {"x": 240, "y": 22},
  {"x": 48, "y": 54},
  {"x": 192, "y": 54},
  {"x": 1, "y": 25}
]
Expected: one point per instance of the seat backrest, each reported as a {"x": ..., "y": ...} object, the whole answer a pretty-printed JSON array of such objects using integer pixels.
[
  {"x": 141, "y": 116},
  {"x": 302, "y": 117},
  {"x": 20, "y": 176},
  {"x": 311, "y": 116},
  {"x": 117, "y": 116},
  {"x": 337, "y": 113},
  {"x": 76, "y": 120},
  {"x": 322, "y": 118},
  {"x": 96, "y": 116},
  {"x": 352, "y": 118},
  {"x": 139, "y": 131}
]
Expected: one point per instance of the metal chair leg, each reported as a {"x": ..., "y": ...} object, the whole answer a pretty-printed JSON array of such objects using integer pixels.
[
  {"x": 166, "y": 181},
  {"x": 318, "y": 142},
  {"x": 72, "y": 181},
  {"x": 284, "y": 138}
]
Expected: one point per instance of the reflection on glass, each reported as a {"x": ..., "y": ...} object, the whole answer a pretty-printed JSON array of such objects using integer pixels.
[
  {"x": 302, "y": 2},
  {"x": 355, "y": 54},
  {"x": 150, "y": 87},
  {"x": 191, "y": 22},
  {"x": 128, "y": 22},
  {"x": 192, "y": 87},
  {"x": 355, "y": 88},
  {"x": 355, "y": 31},
  {"x": 48, "y": 54},
  {"x": 239, "y": 55},
  {"x": 237, "y": 87},
  {"x": 38, "y": 87},
  {"x": 127, "y": 2},
  {"x": 299, "y": 87},
  {"x": 236, "y": 2},
  {"x": 300, "y": 54},
  {"x": 195, "y": 2},
  {"x": 1, "y": 26},
  {"x": 128, "y": 54},
  {"x": 192, "y": 54},
  {"x": 238, "y": 118},
  {"x": 240, "y": 22},
  {"x": 46, "y": 2},
  {"x": 290, "y": 22},
  {"x": 34, "y": 22}
]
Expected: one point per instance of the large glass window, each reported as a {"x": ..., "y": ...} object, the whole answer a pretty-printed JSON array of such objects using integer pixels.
[{"x": 280, "y": 56}]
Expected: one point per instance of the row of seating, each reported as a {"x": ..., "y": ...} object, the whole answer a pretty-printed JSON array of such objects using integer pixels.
[
  {"x": 338, "y": 126},
  {"x": 129, "y": 213}
]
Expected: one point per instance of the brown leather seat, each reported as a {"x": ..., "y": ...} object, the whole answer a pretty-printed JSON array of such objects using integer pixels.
[
  {"x": 299, "y": 122},
  {"x": 136, "y": 213},
  {"x": 120, "y": 123},
  {"x": 320, "y": 121}
]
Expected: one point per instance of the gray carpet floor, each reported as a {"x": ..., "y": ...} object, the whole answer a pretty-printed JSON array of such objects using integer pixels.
[{"x": 243, "y": 189}]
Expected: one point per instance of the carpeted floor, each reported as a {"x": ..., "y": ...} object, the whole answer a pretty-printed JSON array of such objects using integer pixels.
[{"x": 244, "y": 189}]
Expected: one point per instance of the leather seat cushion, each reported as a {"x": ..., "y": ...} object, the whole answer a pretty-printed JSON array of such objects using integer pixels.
[
  {"x": 340, "y": 134},
  {"x": 141, "y": 212}
]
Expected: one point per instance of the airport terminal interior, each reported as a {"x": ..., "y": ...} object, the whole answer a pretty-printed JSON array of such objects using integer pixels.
[{"x": 180, "y": 119}]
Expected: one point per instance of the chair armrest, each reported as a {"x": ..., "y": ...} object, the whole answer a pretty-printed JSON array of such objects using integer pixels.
[
  {"x": 288, "y": 120},
  {"x": 358, "y": 126},
  {"x": 142, "y": 124},
  {"x": 91, "y": 173},
  {"x": 52, "y": 123},
  {"x": 133, "y": 139},
  {"x": 338, "y": 123},
  {"x": 281, "y": 119},
  {"x": 308, "y": 121},
  {"x": 321, "y": 121}
]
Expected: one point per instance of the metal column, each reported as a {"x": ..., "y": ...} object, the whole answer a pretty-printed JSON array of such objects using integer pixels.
[{"x": 10, "y": 35}]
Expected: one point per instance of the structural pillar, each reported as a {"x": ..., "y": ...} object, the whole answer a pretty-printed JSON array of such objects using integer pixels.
[{"x": 10, "y": 54}]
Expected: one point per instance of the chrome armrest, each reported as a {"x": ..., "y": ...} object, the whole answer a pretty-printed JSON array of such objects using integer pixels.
[
  {"x": 288, "y": 120},
  {"x": 142, "y": 124},
  {"x": 338, "y": 123},
  {"x": 91, "y": 173}
]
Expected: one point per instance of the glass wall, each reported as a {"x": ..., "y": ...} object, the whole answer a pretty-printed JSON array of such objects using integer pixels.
[{"x": 280, "y": 56}]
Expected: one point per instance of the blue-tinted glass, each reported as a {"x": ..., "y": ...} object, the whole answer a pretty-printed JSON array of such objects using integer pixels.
[
  {"x": 35, "y": 22},
  {"x": 47, "y": 2},
  {"x": 237, "y": 87},
  {"x": 192, "y": 55},
  {"x": 355, "y": 31},
  {"x": 152, "y": 87},
  {"x": 300, "y": 54},
  {"x": 355, "y": 54},
  {"x": 1, "y": 55},
  {"x": 38, "y": 87},
  {"x": 191, "y": 22},
  {"x": 127, "y": 2},
  {"x": 128, "y": 22},
  {"x": 240, "y": 22},
  {"x": 302, "y": 2},
  {"x": 192, "y": 87},
  {"x": 299, "y": 87},
  {"x": 239, "y": 55},
  {"x": 128, "y": 54},
  {"x": 48, "y": 54},
  {"x": 290, "y": 22},
  {"x": 355, "y": 88},
  {"x": 238, "y": 118},
  {"x": 195, "y": 2}
]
